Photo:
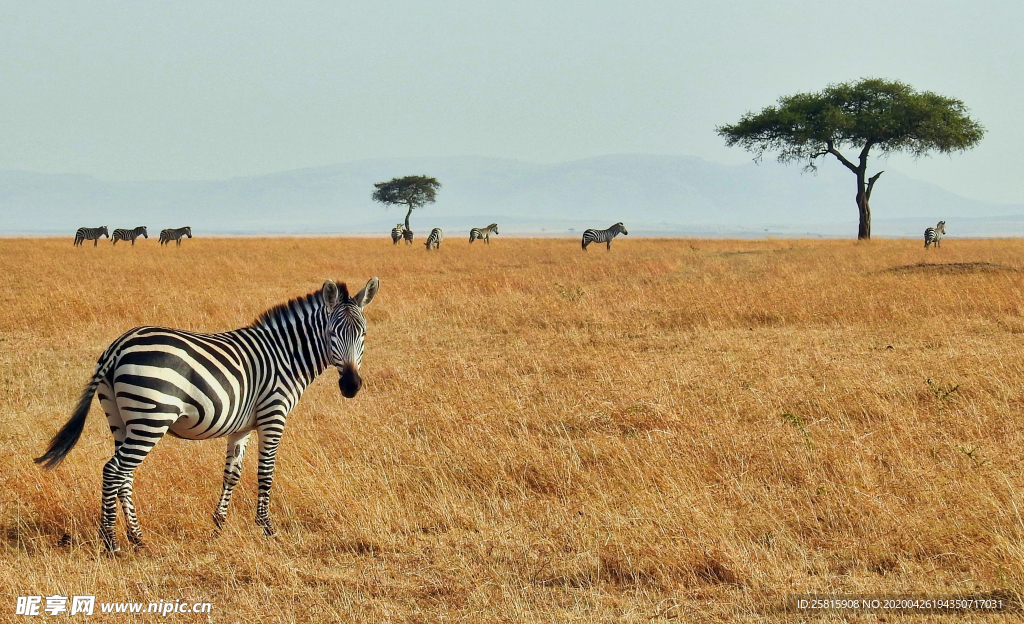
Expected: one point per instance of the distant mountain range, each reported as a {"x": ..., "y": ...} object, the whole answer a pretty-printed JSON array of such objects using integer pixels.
[{"x": 653, "y": 195}]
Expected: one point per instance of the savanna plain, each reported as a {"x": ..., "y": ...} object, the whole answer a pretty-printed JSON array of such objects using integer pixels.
[{"x": 675, "y": 429}]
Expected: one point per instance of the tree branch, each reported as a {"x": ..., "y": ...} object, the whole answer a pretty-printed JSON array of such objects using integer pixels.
[
  {"x": 871, "y": 183},
  {"x": 832, "y": 150}
]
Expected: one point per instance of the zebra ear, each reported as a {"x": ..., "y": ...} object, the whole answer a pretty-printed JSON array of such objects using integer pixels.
[
  {"x": 330, "y": 294},
  {"x": 365, "y": 296}
]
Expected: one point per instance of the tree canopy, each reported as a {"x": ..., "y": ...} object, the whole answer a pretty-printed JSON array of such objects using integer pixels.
[
  {"x": 410, "y": 191},
  {"x": 888, "y": 116}
]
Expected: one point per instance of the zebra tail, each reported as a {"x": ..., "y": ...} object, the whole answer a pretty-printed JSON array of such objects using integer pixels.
[{"x": 67, "y": 437}]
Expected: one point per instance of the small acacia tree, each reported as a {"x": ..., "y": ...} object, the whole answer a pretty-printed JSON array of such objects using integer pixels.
[
  {"x": 411, "y": 191},
  {"x": 871, "y": 113}
]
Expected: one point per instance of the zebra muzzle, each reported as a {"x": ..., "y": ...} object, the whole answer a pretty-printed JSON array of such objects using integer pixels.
[{"x": 349, "y": 382}]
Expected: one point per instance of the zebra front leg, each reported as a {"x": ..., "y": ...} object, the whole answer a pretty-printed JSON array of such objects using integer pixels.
[
  {"x": 269, "y": 440},
  {"x": 232, "y": 473}
]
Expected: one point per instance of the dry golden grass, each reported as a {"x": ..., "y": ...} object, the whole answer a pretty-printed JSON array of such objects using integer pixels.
[{"x": 688, "y": 428}]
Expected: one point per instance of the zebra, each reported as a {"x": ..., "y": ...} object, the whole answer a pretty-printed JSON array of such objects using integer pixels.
[
  {"x": 435, "y": 238},
  {"x": 483, "y": 234},
  {"x": 407, "y": 235},
  {"x": 93, "y": 234},
  {"x": 131, "y": 235},
  {"x": 397, "y": 233},
  {"x": 168, "y": 235},
  {"x": 934, "y": 235},
  {"x": 154, "y": 380},
  {"x": 603, "y": 236}
]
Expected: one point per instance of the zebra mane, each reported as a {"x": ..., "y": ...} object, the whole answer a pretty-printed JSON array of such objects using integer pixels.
[{"x": 312, "y": 301}]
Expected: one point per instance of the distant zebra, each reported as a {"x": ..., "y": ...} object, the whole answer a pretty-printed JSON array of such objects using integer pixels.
[
  {"x": 408, "y": 236},
  {"x": 483, "y": 233},
  {"x": 396, "y": 233},
  {"x": 935, "y": 234},
  {"x": 166, "y": 236},
  {"x": 93, "y": 234},
  {"x": 603, "y": 236},
  {"x": 435, "y": 238},
  {"x": 129, "y": 235},
  {"x": 152, "y": 381}
]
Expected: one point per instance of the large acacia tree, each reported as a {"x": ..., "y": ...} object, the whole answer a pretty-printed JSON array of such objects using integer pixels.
[
  {"x": 887, "y": 116},
  {"x": 410, "y": 191}
]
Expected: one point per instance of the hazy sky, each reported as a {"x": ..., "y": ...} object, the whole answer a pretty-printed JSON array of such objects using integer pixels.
[{"x": 173, "y": 90}]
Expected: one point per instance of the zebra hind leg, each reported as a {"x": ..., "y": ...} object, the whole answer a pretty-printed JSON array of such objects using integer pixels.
[
  {"x": 232, "y": 474},
  {"x": 128, "y": 508},
  {"x": 118, "y": 474}
]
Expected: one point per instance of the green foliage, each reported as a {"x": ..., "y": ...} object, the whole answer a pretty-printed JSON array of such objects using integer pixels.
[
  {"x": 410, "y": 191},
  {"x": 798, "y": 424},
  {"x": 888, "y": 115},
  {"x": 942, "y": 393}
]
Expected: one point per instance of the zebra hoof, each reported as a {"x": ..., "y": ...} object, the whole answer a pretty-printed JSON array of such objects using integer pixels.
[
  {"x": 268, "y": 526},
  {"x": 219, "y": 520},
  {"x": 137, "y": 541},
  {"x": 109, "y": 541}
]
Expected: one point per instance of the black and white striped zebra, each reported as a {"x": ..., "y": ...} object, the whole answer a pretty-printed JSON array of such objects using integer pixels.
[
  {"x": 483, "y": 233},
  {"x": 935, "y": 234},
  {"x": 396, "y": 233},
  {"x": 174, "y": 234},
  {"x": 435, "y": 238},
  {"x": 129, "y": 235},
  {"x": 152, "y": 381},
  {"x": 93, "y": 234},
  {"x": 603, "y": 236},
  {"x": 408, "y": 236}
]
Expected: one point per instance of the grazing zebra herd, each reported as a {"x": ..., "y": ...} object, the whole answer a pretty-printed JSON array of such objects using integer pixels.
[
  {"x": 94, "y": 234},
  {"x": 153, "y": 381}
]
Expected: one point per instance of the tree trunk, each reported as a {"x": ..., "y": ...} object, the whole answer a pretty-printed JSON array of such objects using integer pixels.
[
  {"x": 864, "y": 208},
  {"x": 407, "y": 218}
]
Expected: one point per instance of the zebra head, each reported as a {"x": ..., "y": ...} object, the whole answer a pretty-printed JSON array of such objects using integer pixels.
[
  {"x": 941, "y": 227},
  {"x": 188, "y": 232},
  {"x": 494, "y": 227},
  {"x": 103, "y": 231},
  {"x": 346, "y": 330},
  {"x": 618, "y": 226},
  {"x": 145, "y": 234}
]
